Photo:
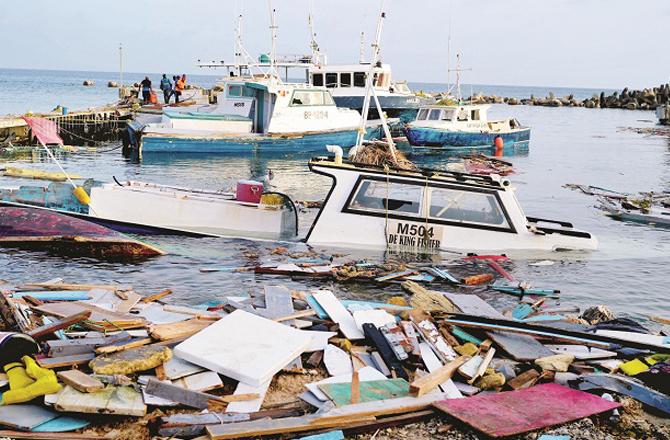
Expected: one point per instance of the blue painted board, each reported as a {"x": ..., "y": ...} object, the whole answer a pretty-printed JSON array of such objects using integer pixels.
[
  {"x": 332, "y": 435},
  {"x": 56, "y": 295},
  {"x": 62, "y": 424}
]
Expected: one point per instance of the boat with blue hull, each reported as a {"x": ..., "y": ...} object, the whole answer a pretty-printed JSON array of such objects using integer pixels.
[
  {"x": 252, "y": 115},
  {"x": 464, "y": 126}
]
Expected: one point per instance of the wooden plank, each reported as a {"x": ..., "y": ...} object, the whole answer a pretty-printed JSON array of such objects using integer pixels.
[
  {"x": 110, "y": 300},
  {"x": 296, "y": 315},
  {"x": 433, "y": 364},
  {"x": 80, "y": 381},
  {"x": 65, "y": 361},
  {"x": 155, "y": 297},
  {"x": 205, "y": 381},
  {"x": 517, "y": 412},
  {"x": 111, "y": 400},
  {"x": 386, "y": 407},
  {"x": 164, "y": 332},
  {"x": 429, "y": 382},
  {"x": 24, "y": 416},
  {"x": 123, "y": 345},
  {"x": 60, "y": 324},
  {"x": 66, "y": 286},
  {"x": 275, "y": 426},
  {"x": 338, "y": 314},
  {"x": 365, "y": 373},
  {"x": 469, "y": 369},
  {"x": 352, "y": 429},
  {"x": 194, "y": 399},
  {"x": 520, "y": 347},
  {"x": 340, "y": 393},
  {"x": 100, "y": 318},
  {"x": 68, "y": 347},
  {"x": 481, "y": 369},
  {"x": 245, "y": 347},
  {"x": 524, "y": 380}
]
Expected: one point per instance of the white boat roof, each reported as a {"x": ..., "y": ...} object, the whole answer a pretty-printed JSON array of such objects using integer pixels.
[
  {"x": 361, "y": 67},
  {"x": 461, "y": 107}
]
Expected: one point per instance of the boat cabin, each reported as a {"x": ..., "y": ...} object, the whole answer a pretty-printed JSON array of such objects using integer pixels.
[
  {"x": 430, "y": 210},
  {"x": 352, "y": 76},
  {"x": 470, "y": 117}
]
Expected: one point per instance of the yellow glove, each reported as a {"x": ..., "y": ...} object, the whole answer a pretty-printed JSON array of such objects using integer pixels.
[
  {"x": 45, "y": 383},
  {"x": 16, "y": 374}
]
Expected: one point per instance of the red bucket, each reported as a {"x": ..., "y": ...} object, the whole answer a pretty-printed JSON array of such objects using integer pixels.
[{"x": 249, "y": 191}]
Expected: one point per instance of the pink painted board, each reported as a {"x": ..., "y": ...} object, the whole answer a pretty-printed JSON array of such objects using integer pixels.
[{"x": 516, "y": 412}]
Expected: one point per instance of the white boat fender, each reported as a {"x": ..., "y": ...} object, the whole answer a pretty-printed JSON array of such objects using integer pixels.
[{"x": 337, "y": 151}]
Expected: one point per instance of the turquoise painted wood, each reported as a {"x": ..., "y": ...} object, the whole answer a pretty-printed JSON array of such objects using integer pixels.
[
  {"x": 332, "y": 435},
  {"x": 62, "y": 424},
  {"x": 56, "y": 295},
  {"x": 340, "y": 393}
]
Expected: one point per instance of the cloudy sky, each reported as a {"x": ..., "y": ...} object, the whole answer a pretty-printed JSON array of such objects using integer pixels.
[{"x": 572, "y": 43}]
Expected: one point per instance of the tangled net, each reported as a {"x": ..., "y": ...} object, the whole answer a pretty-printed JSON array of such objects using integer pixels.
[{"x": 379, "y": 153}]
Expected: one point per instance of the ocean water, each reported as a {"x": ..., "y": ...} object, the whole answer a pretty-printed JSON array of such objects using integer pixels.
[{"x": 629, "y": 272}]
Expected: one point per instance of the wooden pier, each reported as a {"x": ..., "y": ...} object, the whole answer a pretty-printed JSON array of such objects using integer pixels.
[{"x": 82, "y": 128}]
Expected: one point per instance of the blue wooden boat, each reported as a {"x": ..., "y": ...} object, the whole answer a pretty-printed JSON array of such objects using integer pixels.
[
  {"x": 463, "y": 126},
  {"x": 254, "y": 116}
]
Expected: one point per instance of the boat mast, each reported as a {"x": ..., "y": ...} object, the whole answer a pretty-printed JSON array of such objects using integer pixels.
[
  {"x": 316, "y": 52},
  {"x": 237, "y": 49},
  {"x": 451, "y": 3},
  {"x": 120, "y": 64},
  {"x": 370, "y": 90},
  {"x": 273, "y": 33},
  {"x": 458, "y": 71},
  {"x": 361, "y": 51}
]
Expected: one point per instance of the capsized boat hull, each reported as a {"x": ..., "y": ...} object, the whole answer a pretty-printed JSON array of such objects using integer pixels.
[
  {"x": 433, "y": 137},
  {"x": 152, "y": 143},
  {"x": 39, "y": 229}
]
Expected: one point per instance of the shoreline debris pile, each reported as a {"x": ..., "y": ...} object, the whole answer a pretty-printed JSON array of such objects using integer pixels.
[{"x": 83, "y": 357}]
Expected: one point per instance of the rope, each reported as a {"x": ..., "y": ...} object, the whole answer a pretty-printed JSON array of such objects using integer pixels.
[{"x": 80, "y": 137}]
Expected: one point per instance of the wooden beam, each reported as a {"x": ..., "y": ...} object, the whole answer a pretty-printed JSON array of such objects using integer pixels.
[
  {"x": 80, "y": 381},
  {"x": 190, "y": 398},
  {"x": 297, "y": 315},
  {"x": 430, "y": 381},
  {"x": 49, "y": 435},
  {"x": 483, "y": 366},
  {"x": 156, "y": 296},
  {"x": 60, "y": 324},
  {"x": 65, "y": 361},
  {"x": 123, "y": 345}
]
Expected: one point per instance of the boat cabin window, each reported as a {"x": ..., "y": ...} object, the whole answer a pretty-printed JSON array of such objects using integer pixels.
[
  {"x": 331, "y": 79},
  {"x": 380, "y": 196},
  {"x": 435, "y": 114},
  {"x": 466, "y": 207},
  {"x": 380, "y": 80},
  {"x": 447, "y": 115},
  {"x": 345, "y": 79},
  {"x": 311, "y": 97},
  {"x": 474, "y": 115},
  {"x": 239, "y": 90},
  {"x": 421, "y": 116},
  {"x": 359, "y": 79},
  {"x": 317, "y": 79}
]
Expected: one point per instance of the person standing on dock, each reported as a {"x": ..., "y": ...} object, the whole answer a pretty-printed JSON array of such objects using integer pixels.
[
  {"x": 179, "y": 86},
  {"x": 145, "y": 87},
  {"x": 166, "y": 87}
]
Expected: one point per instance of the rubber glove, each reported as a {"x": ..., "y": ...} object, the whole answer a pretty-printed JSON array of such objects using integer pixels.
[
  {"x": 45, "y": 383},
  {"x": 16, "y": 374}
]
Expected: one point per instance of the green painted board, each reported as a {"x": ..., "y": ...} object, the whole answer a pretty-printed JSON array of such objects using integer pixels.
[{"x": 340, "y": 393}]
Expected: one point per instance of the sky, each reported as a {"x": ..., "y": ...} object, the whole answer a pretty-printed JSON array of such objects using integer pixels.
[{"x": 568, "y": 43}]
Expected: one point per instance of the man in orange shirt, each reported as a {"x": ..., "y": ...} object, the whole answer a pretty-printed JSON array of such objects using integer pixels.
[{"x": 179, "y": 87}]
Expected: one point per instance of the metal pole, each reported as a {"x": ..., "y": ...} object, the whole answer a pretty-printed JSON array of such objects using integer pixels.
[{"x": 120, "y": 64}]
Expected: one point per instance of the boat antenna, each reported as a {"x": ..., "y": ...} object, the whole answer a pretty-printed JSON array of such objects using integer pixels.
[
  {"x": 458, "y": 71},
  {"x": 451, "y": 4},
  {"x": 316, "y": 52},
  {"x": 370, "y": 90},
  {"x": 237, "y": 49},
  {"x": 120, "y": 64},
  {"x": 361, "y": 53},
  {"x": 273, "y": 33}
]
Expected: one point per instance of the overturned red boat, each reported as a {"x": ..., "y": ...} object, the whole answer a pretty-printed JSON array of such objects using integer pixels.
[{"x": 37, "y": 229}]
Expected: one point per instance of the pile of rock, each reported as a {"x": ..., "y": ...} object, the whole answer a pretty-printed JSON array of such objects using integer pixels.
[{"x": 646, "y": 99}]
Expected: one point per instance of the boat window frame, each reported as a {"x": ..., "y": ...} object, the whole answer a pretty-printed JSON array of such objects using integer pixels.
[
  {"x": 326, "y": 102},
  {"x": 432, "y": 112},
  {"x": 349, "y": 75},
  {"x": 331, "y": 84},
  {"x": 358, "y": 76},
  {"x": 425, "y": 115},
  {"x": 320, "y": 75},
  {"x": 425, "y": 202},
  {"x": 429, "y": 199}
]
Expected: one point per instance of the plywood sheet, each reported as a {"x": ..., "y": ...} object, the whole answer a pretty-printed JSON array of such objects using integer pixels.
[
  {"x": 340, "y": 393},
  {"x": 339, "y": 314},
  {"x": 365, "y": 373},
  {"x": 25, "y": 417},
  {"x": 432, "y": 363},
  {"x": 516, "y": 412},
  {"x": 245, "y": 347}
]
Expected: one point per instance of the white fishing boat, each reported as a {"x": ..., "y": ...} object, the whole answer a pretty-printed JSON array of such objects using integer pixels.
[
  {"x": 263, "y": 114},
  {"x": 148, "y": 208},
  {"x": 430, "y": 210},
  {"x": 461, "y": 126}
]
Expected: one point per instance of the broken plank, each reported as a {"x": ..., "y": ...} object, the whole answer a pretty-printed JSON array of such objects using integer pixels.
[
  {"x": 155, "y": 297},
  {"x": 60, "y": 324},
  {"x": 205, "y": 381},
  {"x": 68, "y": 347},
  {"x": 176, "y": 368},
  {"x": 296, "y": 315},
  {"x": 65, "y": 361},
  {"x": 190, "y": 398},
  {"x": 249, "y": 406},
  {"x": 338, "y": 314},
  {"x": 111, "y": 400},
  {"x": 80, "y": 381},
  {"x": 164, "y": 332},
  {"x": 123, "y": 345},
  {"x": 427, "y": 383},
  {"x": 371, "y": 390},
  {"x": 481, "y": 369},
  {"x": 66, "y": 286},
  {"x": 49, "y": 435}
]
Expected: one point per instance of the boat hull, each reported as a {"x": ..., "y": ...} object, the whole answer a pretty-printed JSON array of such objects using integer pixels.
[
  {"x": 37, "y": 229},
  {"x": 290, "y": 143},
  {"x": 404, "y": 107},
  {"x": 432, "y": 137}
]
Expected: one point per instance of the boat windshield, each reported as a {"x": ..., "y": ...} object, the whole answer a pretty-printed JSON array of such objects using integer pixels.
[
  {"x": 467, "y": 207},
  {"x": 421, "y": 116},
  {"x": 381, "y": 196},
  {"x": 311, "y": 97}
]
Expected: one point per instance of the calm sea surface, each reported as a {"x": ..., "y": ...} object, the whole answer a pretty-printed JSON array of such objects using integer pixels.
[{"x": 568, "y": 145}]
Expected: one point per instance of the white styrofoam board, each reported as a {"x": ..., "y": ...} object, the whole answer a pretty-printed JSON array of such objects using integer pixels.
[{"x": 338, "y": 314}]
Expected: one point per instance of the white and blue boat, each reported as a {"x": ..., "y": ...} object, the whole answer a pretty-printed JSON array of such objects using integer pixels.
[
  {"x": 464, "y": 125},
  {"x": 262, "y": 114}
]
